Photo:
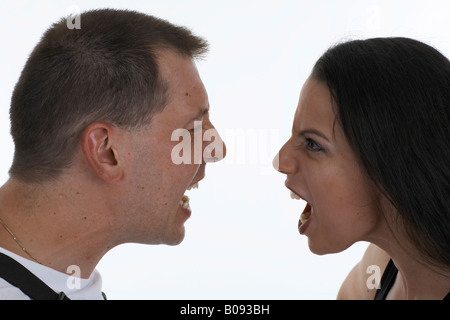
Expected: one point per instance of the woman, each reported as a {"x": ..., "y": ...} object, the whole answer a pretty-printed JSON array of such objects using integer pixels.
[{"x": 370, "y": 154}]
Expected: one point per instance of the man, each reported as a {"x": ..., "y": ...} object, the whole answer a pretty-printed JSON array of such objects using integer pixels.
[{"x": 92, "y": 118}]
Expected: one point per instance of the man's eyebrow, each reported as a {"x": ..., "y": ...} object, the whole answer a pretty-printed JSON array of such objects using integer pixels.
[
  {"x": 200, "y": 114},
  {"x": 314, "y": 131}
]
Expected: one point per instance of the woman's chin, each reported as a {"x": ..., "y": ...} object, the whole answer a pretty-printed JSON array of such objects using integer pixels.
[{"x": 325, "y": 248}]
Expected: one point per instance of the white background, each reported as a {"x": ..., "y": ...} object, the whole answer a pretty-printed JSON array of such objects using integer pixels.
[{"x": 241, "y": 241}]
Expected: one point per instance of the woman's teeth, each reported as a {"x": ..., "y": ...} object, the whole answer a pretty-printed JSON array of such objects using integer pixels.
[
  {"x": 305, "y": 216},
  {"x": 294, "y": 196}
]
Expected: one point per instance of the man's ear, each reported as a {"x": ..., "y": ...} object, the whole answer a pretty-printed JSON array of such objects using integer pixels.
[{"x": 98, "y": 145}]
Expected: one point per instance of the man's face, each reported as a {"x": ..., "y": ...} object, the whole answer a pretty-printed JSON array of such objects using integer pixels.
[{"x": 157, "y": 183}]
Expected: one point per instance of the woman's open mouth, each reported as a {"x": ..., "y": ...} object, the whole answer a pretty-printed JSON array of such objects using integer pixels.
[
  {"x": 306, "y": 214},
  {"x": 305, "y": 218}
]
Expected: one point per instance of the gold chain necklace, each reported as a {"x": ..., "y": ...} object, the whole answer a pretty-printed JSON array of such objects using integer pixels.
[{"x": 17, "y": 241}]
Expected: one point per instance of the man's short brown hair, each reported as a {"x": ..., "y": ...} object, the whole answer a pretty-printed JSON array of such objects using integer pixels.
[{"x": 105, "y": 71}]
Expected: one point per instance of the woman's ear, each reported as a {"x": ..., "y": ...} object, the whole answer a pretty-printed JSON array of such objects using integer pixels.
[{"x": 99, "y": 143}]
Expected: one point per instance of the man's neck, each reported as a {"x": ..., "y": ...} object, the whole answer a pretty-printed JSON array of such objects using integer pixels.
[{"x": 58, "y": 225}]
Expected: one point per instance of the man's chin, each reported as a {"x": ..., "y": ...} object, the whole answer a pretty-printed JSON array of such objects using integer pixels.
[
  {"x": 175, "y": 238},
  {"x": 174, "y": 243}
]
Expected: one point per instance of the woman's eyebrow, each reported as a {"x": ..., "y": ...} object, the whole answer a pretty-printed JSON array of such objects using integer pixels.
[{"x": 314, "y": 131}]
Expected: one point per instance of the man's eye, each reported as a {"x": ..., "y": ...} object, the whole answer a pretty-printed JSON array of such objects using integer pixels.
[{"x": 195, "y": 130}]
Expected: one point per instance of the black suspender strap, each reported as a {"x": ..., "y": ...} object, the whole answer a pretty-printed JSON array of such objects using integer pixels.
[{"x": 20, "y": 277}]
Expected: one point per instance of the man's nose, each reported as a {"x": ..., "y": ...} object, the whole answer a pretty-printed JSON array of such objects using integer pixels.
[{"x": 216, "y": 150}]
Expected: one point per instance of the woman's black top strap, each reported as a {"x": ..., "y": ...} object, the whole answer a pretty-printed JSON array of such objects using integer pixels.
[{"x": 388, "y": 279}]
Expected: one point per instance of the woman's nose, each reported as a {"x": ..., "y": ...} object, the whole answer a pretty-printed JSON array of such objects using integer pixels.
[{"x": 283, "y": 161}]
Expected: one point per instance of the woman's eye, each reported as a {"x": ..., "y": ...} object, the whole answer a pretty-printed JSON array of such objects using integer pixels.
[{"x": 311, "y": 145}]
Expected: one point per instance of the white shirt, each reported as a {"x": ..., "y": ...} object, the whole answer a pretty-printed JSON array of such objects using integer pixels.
[{"x": 75, "y": 289}]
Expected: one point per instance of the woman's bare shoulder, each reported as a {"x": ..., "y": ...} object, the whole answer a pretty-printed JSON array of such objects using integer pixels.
[{"x": 361, "y": 282}]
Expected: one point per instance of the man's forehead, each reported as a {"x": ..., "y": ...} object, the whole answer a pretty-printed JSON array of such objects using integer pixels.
[
  {"x": 181, "y": 74},
  {"x": 174, "y": 66}
]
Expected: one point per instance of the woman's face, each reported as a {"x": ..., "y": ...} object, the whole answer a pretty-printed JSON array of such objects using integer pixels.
[{"x": 322, "y": 169}]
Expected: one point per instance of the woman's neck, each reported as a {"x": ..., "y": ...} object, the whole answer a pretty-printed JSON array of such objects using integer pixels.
[{"x": 417, "y": 278}]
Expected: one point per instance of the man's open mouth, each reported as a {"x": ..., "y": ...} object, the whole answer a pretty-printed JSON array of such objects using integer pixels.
[{"x": 184, "y": 202}]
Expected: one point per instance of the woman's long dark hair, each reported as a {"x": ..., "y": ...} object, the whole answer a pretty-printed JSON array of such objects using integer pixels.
[{"x": 392, "y": 98}]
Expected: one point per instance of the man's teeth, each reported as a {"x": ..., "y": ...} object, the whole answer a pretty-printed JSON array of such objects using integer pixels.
[
  {"x": 294, "y": 196},
  {"x": 184, "y": 202},
  {"x": 194, "y": 186}
]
